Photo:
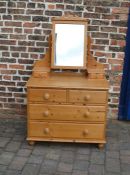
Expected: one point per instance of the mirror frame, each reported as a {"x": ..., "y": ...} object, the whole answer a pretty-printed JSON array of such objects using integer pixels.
[{"x": 69, "y": 20}]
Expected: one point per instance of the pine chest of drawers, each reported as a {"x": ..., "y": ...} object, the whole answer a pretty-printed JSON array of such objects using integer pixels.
[{"x": 67, "y": 108}]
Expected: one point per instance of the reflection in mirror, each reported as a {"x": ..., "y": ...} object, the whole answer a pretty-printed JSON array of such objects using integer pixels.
[{"x": 69, "y": 45}]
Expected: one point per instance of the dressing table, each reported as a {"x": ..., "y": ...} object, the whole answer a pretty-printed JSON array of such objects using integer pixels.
[{"x": 67, "y": 92}]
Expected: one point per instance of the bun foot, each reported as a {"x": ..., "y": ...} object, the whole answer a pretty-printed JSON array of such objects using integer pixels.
[
  {"x": 31, "y": 143},
  {"x": 100, "y": 145}
]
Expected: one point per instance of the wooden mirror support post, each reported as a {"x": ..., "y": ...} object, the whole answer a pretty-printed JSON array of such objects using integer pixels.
[{"x": 67, "y": 105}]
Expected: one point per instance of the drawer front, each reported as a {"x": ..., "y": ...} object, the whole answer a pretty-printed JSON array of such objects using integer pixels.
[
  {"x": 70, "y": 130},
  {"x": 66, "y": 112},
  {"x": 38, "y": 129},
  {"x": 87, "y": 97},
  {"x": 46, "y": 95},
  {"x": 66, "y": 130}
]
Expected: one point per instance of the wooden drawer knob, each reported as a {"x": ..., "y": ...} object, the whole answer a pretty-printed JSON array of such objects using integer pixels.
[
  {"x": 85, "y": 132},
  {"x": 46, "y": 96},
  {"x": 46, "y": 131},
  {"x": 87, "y": 97},
  {"x": 46, "y": 113},
  {"x": 87, "y": 114}
]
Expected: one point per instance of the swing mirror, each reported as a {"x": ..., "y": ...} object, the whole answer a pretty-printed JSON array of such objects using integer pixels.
[{"x": 69, "y": 44}]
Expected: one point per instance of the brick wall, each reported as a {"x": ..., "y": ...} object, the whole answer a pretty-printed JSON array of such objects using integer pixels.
[{"x": 24, "y": 29}]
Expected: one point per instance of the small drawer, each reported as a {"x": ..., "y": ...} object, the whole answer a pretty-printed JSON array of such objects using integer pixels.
[
  {"x": 38, "y": 129},
  {"x": 46, "y": 95},
  {"x": 87, "y": 97},
  {"x": 66, "y": 112}
]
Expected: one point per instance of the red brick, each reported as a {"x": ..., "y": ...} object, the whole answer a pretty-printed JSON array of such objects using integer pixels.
[
  {"x": 25, "y": 55},
  {"x": 2, "y": 4},
  {"x": 51, "y": 6},
  {"x": 8, "y": 42},
  {"x": 122, "y": 30},
  {"x": 121, "y": 43},
  {"x": 18, "y": 48},
  {"x": 11, "y": 100},
  {"x": 92, "y": 15},
  {"x": 117, "y": 68},
  {"x": 26, "y": 43},
  {"x": 98, "y": 47},
  {"x": 116, "y": 89},
  {"x": 3, "y": 66},
  {"x": 115, "y": 61},
  {"x": 13, "y": 24},
  {"x": 1, "y": 23},
  {"x": 125, "y": 4},
  {"x": 15, "y": 54},
  {"x": 34, "y": 49},
  {"x": 16, "y": 66},
  {"x": 34, "y": 56},
  {"x": 4, "y": 47},
  {"x": 120, "y": 55},
  {"x": 21, "y": 4},
  {"x": 17, "y": 36},
  {"x": 29, "y": 24},
  {"x": 123, "y": 16},
  {"x": 59, "y": 6},
  {"x": 3, "y": 10},
  {"x": 28, "y": 31},
  {"x": 19, "y": 100},
  {"x": 3, "y": 99},
  {"x": 54, "y": 1},
  {"x": 110, "y": 16},
  {"x": 109, "y": 29},
  {"x": 34, "y": 12},
  {"x": 5, "y": 54},
  {"x": 8, "y": 71},
  {"x": 7, "y": 83},
  {"x": 7, "y": 30},
  {"x": 7, "y": 77},
  {"x": 18, "y": 30},
  {"x": 115, "y": 100},
  {"x": 102, "y": 54},
  {"x": 120, "y": 10},
  {"x": 15, "y": 11}
]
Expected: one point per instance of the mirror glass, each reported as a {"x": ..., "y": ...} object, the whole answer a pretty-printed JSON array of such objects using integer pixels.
[{"x": 69, "y": 45}]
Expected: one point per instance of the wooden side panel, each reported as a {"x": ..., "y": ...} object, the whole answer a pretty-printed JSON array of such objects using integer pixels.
[
  {"x": 47, "y": 95},
  {"x": 87, "y": 97},
  {"x": 66, "y": 112}
]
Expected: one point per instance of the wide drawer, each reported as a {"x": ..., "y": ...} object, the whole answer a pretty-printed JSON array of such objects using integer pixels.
[
  {"x": 66, "y": 130},
  {"x": 46, "y": 95},
  {"x": 66, "y": 112},
  {"x": 87, "y": 97}
]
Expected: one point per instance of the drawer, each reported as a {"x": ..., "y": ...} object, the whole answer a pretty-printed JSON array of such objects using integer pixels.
[
  {"x": 66, "y": 112},
  {"x": 46, "y": 95},
  {"x": 66, "y": 130},
  {"x": 87, "y": 97},
  {"x": 38, "y": 129},
  {"x": 70, "y": 130}
]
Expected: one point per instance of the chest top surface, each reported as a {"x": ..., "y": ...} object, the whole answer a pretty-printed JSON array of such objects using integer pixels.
[{"x": 60, "y": 80}]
